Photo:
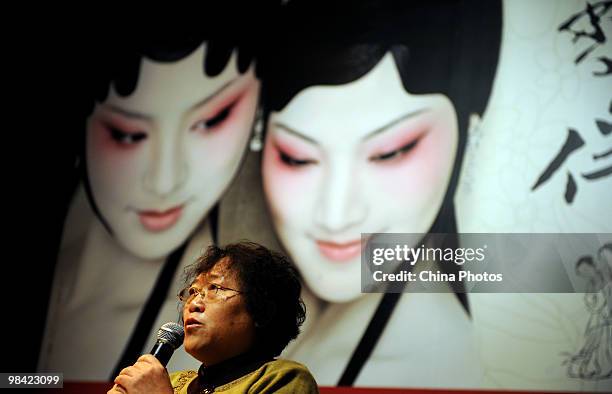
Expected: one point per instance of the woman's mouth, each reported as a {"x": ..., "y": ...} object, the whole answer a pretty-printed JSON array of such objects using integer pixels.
[
  {"x": 340, "y": 252},
  {"x": 156, "y": 221},
  {"x": 192, "y": 323}
]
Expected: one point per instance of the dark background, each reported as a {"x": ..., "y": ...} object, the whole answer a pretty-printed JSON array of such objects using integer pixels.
[{"x": 42, "y": 87}]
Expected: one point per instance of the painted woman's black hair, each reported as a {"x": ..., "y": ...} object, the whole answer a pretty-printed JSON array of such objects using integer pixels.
[
  {"x": 119, "y": 57},
  {"x": 439, "y": 46}
]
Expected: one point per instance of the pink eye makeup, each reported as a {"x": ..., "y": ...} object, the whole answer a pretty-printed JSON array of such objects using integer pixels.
[
  {"x": 396, "y": 154},
  {"x": 291, "y": 159},
  {"x": 122, "y": 137},
  {"x": 291, "y": 149},
  {"x": 293, "y": 162},
  {"x": 290, "y": 156},
  {"x": 220, "y": 116},
  {"x": 215, "y": 121},
  {"x": 395, "y": 145},
  {"x": 116, "y": 131}
]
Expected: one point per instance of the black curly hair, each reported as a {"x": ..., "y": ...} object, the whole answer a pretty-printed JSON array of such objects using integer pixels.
[{"x": 271, "y": 286}]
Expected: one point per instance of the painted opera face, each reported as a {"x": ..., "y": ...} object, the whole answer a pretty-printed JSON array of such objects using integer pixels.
[
  {"x": 160, "y": 158},
  {"x": 364, "y": 157}
]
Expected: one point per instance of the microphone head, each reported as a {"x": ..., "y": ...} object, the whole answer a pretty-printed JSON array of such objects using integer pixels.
[{"x": 172, "y": 334}]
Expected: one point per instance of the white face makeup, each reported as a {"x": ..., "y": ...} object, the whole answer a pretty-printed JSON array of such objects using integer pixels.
[
  {"x": 362, "y": 157},
  {"x": 160, "y": 158}
]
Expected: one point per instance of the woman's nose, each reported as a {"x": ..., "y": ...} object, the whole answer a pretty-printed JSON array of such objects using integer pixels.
[
  {"x": 340, "y": 205},
  {"x": 168, "y": 169},
  {"x": 196, "y": 305}
]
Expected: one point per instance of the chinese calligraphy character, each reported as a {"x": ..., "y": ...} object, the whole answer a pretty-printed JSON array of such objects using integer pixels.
[
  {"x": 574, "y": 142},
  {"x": 596, "y": 35}
]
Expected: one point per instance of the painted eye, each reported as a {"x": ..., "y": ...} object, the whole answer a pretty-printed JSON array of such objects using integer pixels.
[
  {"x": 215, "y": 121},
  {"x": 124, "y": 138},
  {"x": 293, "y": 162},
  {"x": 388, "y": 156}
]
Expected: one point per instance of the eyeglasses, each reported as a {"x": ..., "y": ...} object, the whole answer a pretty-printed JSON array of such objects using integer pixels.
[{"x": 212, "y": 293}]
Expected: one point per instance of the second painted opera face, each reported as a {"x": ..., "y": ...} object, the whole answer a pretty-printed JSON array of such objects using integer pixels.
[
  {"x": 160, "y": 158},
  {"x": 363, "y": 157}
]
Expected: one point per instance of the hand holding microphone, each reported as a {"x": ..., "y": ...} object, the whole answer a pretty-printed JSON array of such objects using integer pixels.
[{"x": 148, "y": 374}]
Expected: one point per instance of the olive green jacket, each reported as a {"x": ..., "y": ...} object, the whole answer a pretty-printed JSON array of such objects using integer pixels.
[{"x": 276, "y": 376}]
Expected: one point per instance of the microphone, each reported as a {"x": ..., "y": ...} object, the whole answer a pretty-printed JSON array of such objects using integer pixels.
[{"x": 169, "y": 338}]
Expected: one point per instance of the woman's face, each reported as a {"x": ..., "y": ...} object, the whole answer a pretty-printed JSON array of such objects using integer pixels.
[
  {"x": 159, "y": 159},
  {"x": 216, "y": 331},
  {"x": 365, "y": 157}
]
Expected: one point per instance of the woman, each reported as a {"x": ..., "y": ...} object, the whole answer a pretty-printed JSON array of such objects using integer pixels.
[
  {"x": 594, "y": 359},
  {"x": 367, "y": 117},
  {"x": 241, "y": 307},
  {"x": 168, "y": 122}
]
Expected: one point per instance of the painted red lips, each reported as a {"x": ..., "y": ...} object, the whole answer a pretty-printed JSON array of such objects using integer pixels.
[
  {"x": 340, "y": 252},
  {"x": 156, "y": 221}
]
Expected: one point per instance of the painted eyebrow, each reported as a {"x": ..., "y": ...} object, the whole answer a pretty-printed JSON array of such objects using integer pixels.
[
  {"x": 366, "y": 137},
  {"x": 213, "y": 95},
  {"x": 129, "y": 114},
  {"x": 147, "y": 117},
  {"x": 394, "y": 122},
  {"x": 295, "y": 133}
]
